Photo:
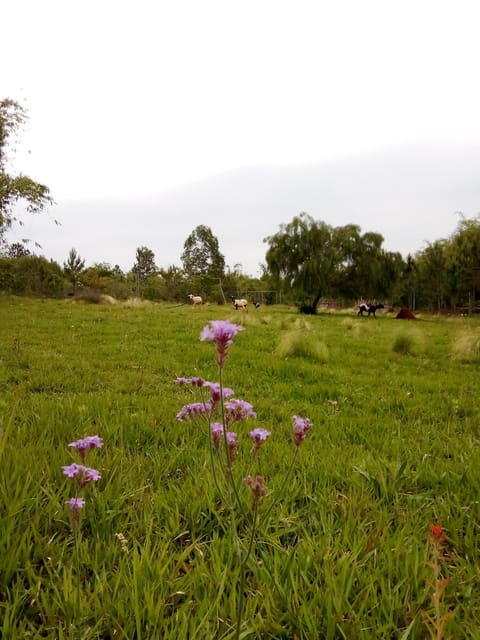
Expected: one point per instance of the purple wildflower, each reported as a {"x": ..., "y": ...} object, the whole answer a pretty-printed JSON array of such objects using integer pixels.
[
  {"x": 194, "y": 381},
  {"x": 257, "y": 486},
  {"x": 300, "y": 428},
  {"x": 217, "y": 431},
  {"x": 84, "y": 444},
  {"x": 89, "y": 475},
  {"x": 232, "y": 444},
  {"x": 221, "y": 332},
  {"x": 75, "y": 504},
  {"x": 73, "y": 469},
  {"x": 259, "y": 436},
  {"x": 95, "y": 442},
  {"x": 215, "y": 391},
  {"x": 239, "y": 410},
  {"x": 193, "y": 410}
]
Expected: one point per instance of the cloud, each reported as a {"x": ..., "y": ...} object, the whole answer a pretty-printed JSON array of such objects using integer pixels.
[{"x": 411, "y": 194}]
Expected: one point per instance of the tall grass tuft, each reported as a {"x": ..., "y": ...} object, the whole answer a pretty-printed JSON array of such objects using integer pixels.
[
  {"x": 302, "y": 344},
  {"x": 409, "y": 341},
  {"x": 466, "y": 346}
]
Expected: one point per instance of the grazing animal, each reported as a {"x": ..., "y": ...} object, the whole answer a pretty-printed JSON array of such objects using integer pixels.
[
  {"x": 370, "y": 309},
  {"x": 240, "y": 303},
  {"x": 196, "y": 301}
]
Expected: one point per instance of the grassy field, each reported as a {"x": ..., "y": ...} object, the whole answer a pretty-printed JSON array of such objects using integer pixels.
[{"x": 345, "y": 549}]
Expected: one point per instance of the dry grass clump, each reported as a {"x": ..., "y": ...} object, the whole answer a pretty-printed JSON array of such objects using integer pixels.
[
  {"x": 302, "y": 323},
  {"x": 92, "y": 296},
  {"x": 265, "y": 318},
  {"x": 409, "y": 341},
  {"x": 466, "y": 346},
  {"x": 87, "y": 295},
  {"x": 287, "y": 323},
  {"x": 298, "y": 343},
  {"x": 351, "y": 324},
  {"x": 245, "y": 319},
  {"x": 284, "y": 323},
  {"x": 136, "y": 303}
]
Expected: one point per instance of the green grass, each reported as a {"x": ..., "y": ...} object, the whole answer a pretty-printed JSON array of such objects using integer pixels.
[{"x": 345, "y": 552}]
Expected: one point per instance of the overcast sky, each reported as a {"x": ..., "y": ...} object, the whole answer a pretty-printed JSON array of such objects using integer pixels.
[{"x": 148, "y": 118}]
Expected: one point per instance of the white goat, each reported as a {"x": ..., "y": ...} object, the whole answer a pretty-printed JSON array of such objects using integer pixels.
[
  {"x": 196, "y": 301},
  {"x": 240, "y": 303}
]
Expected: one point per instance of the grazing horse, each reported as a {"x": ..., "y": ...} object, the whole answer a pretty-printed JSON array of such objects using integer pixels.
[{"x": 369, "y": 308}]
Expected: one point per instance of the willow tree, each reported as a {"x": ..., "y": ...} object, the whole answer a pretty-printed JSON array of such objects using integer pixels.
[
  {"x": 433, "y": 275},
  {"x": 16, "y": 190},
  {"x": 316, "y": 260},
  {"x": 463, "y": 261},
  {"x": 303, "y": 256}
]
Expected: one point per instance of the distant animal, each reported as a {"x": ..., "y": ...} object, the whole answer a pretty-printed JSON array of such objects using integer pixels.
[
  {"x": 196, "y": 301},
  {"x": 240, "y": 303},
  {"x": 256, "y": 305},
  {"x": 370, "y": 309}
]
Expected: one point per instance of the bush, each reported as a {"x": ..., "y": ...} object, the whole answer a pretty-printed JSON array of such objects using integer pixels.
[{"x": 31, "y": 275}]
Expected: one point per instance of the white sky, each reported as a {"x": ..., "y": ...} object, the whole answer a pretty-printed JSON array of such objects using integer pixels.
[{"x": 136, "y": 98}]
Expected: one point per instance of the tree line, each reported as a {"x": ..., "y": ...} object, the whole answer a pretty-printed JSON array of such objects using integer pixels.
[
  {"x": 316, "y": 260},
  {"x": 307, "y": 260}
]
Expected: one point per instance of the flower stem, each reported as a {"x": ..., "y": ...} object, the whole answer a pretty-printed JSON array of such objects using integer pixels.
[
  {"x": 229, "y": 469},
  {"x": 279, "y": 493},
  {"x": 243, "y": 570}
]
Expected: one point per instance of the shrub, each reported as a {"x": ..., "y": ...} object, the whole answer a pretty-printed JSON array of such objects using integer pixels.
[{"x": 31, "y": 275}]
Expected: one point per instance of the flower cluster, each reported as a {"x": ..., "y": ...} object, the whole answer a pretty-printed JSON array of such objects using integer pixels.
[
  {"x": 300, "y": 428},
  {"x": 257, "y": 485},
  {"x": 81, "y": 474},
  {"x": 85, "y": 444},
  {"x": 87, "y": 474},
  {"x": 222, "y": 333},
  {"x": 214, "y": 396},
  {"x": 219, "y": 411},
  {"x": 259, "y": 436},
  {"x": 206, "y": 407}
]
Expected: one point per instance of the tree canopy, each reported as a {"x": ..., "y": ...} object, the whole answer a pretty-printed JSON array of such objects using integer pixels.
[
  {"x": 16, "y": 189},
  {"x": 316, "y": 260},
  {"x": 73, "y": 266},
  {"x": 145, "y": 265},
  {"x": 201, "y": 254}
]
